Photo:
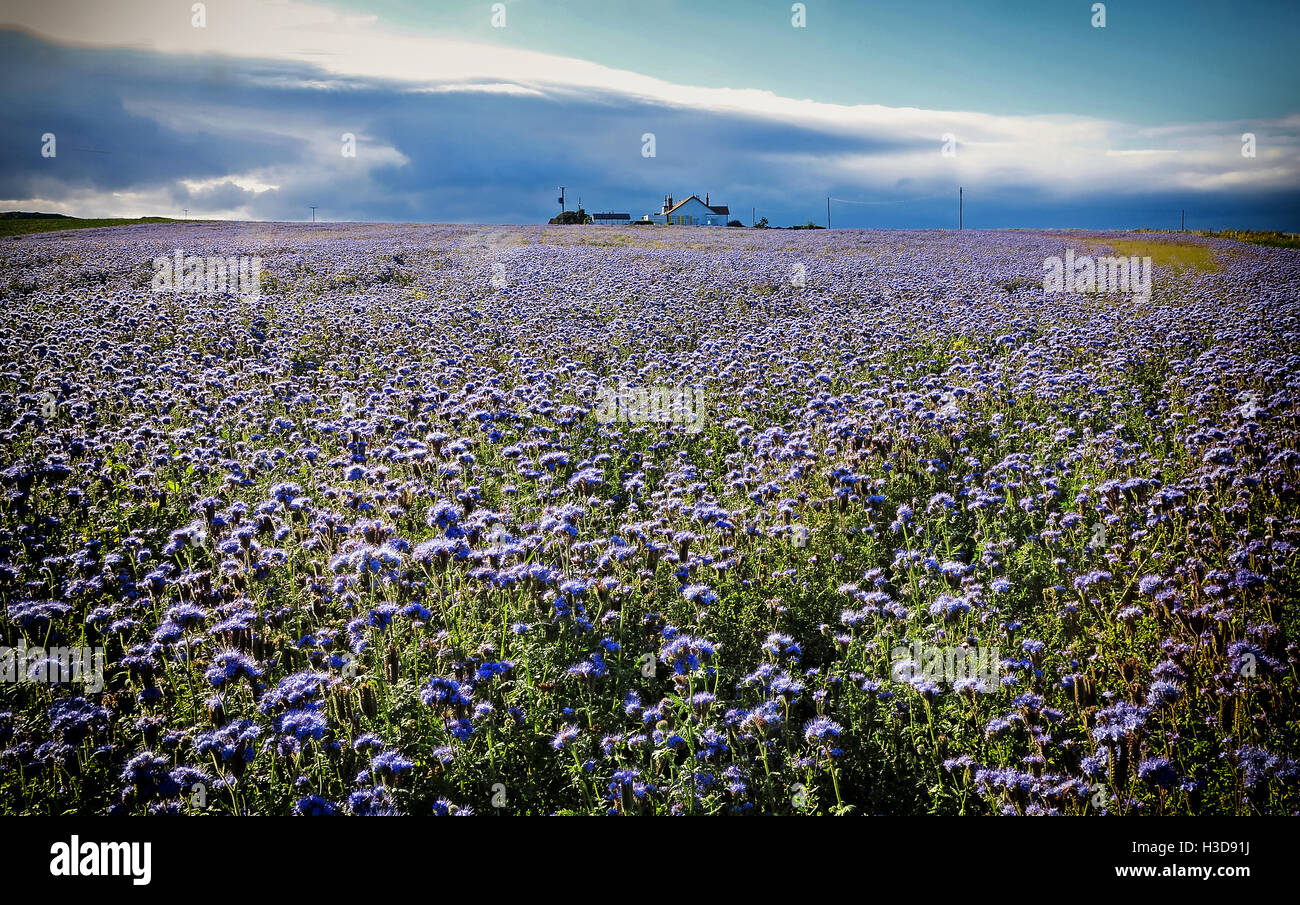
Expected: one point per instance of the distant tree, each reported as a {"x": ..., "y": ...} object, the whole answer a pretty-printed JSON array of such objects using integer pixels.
[
  {"x": 31, "y": 215},
  {"x": 571, "y": 218},
  {"x": 734, "y": 223},
  {"x": 761, "y": 224}
]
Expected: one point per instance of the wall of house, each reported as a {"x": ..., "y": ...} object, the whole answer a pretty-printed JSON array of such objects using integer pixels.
[{"x": 694, "y": 213}]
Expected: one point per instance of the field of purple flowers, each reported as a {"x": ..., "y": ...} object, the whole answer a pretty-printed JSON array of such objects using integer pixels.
[{"x": 360, "y": 545}]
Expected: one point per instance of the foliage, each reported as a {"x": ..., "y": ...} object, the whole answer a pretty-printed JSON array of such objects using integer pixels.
[{"x": 363, "y": 548}]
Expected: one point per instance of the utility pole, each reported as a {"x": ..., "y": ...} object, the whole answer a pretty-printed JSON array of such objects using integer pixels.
[
  {"x": 828, "y": 211},
  {"x": 313, "y": 212},
  {"x": 561, "y": 199},
  {"x": 187, "y": 212},
  {"x": 959, "y": 207},
  {"x": 1183, "y": 228},
  {"x": 752, "y": 221}
]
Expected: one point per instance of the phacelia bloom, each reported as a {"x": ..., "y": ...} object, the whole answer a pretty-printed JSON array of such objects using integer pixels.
[
  {"x": 822, "y": 729},
  {"x": 231, "y": 665},
  {"x": 686, "y": 654}
]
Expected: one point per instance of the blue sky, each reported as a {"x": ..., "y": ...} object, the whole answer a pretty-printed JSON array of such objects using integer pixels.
[
  {"x": 1154, "y": 62},
  {"x": 1047, "y": 120}
]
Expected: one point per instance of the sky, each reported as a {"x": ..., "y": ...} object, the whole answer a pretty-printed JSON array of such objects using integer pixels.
[{"x": 476, "y": 112}]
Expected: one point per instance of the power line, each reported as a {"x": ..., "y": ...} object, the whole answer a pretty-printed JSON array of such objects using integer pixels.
[
  {"x": 900, "y": 201},
  {"x": 829, "y": 199}
]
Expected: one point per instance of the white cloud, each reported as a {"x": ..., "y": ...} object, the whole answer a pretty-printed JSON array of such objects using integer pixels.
[{"x": 247, "y": 183}]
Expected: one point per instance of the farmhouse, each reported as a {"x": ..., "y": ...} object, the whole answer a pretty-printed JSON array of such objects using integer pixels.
[
  {"x": 690, "y": 212},
  {"x": 609, "y": 218}
]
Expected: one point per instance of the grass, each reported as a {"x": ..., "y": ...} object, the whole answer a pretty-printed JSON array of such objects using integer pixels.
[
  {"x": 1165, "y": 253},
  {"x": 1257, "y": 237},
  {"x": 26, "y": 225}
]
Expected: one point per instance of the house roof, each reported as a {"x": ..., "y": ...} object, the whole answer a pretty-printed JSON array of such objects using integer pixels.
[
  {"x": 719, "y": 209},
  {"x": 610, "y": 215}
]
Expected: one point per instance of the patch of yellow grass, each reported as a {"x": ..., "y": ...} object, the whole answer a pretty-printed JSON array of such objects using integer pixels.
[{"x": 1163, "y": 253}]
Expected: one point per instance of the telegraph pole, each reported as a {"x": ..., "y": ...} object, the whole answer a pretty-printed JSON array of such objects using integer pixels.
[
  {"x": 313, "y": 212},
  {"x": 828, "y": 211},
  {"x": 561, "y": 199},
  {"x": 959, "y": 207},
  {"x": 1183, "y": 228}
]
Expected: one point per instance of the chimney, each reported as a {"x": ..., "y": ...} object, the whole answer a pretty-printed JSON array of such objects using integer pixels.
[{"x": 706, "y": 199}]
